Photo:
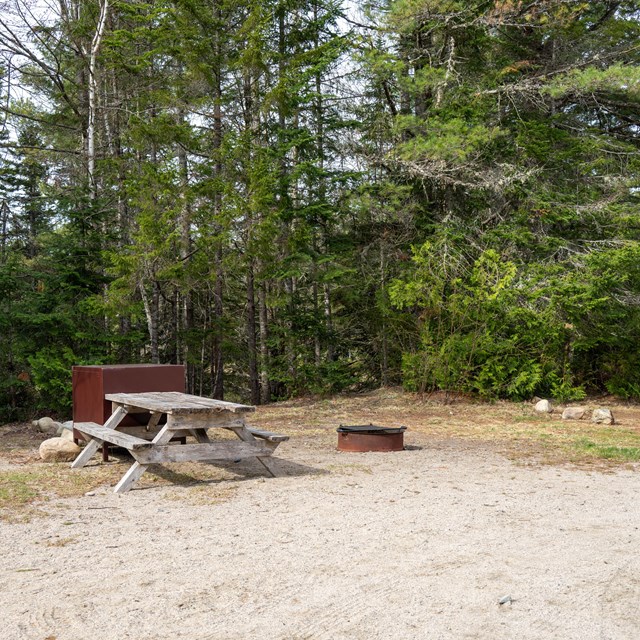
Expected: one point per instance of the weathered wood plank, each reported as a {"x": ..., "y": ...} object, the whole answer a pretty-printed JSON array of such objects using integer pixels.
[
  {"x": 199, "y": 434},
  {"x": 141, "y": 432},
  {"x": 204, "y": 421},
  {"x": 138, "y": 468},
  {"x": 135, "y": 472},
  {"x": 112, "y": 436},
  {"x": 153, "y": 420},
  {"x": 200, "y": 452},
  {"x": 94, "y": 444},
  {"x": 175, "y": 402},
  {"x": 266, "y": 435},
  {"x": 246, "y": 436},
  {"x": 129, "y": 408},
  {"x": 86, "y": 454}
]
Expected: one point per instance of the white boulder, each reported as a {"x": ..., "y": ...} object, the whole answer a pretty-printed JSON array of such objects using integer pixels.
[
  {"x": 602, "y": 416},
  {"x": 543, "y": 406},
  {"x": 58, "y": 450}
]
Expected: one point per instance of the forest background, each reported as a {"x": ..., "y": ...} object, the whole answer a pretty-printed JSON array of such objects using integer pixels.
[{"x": 310, "y": 196}]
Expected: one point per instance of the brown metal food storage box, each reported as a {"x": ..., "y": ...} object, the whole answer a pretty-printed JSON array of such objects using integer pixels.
[{"x": 91, "y": 383}]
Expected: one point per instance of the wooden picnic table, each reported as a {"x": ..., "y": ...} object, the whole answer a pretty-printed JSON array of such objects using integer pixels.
[{"x": 186, "y": 415}]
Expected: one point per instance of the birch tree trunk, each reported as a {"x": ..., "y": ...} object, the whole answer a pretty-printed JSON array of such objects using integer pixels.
[
  {"x": 151, "y": 313},
  {"x": 93, "y": 85}
]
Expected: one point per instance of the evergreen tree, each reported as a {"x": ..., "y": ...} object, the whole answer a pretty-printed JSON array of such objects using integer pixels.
[{"x": 515, "y": 121}]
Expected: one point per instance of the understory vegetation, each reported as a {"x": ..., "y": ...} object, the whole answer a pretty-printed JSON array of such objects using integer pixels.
[{"x": 310, "y": 196}]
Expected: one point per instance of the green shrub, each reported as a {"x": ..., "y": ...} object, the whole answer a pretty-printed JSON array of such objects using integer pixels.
[
  {"x": 495, "y": 329},
  {"x": 51, "y": 371}
]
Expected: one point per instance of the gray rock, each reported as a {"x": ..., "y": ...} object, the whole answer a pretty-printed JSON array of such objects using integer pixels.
[
  {"x": 543, "y": 406},
  {"x": 58, "y": 450},
  {"x": 602, "y": 416},
  {"x": 67, "y": 435},
  {"x": 574, "y": 413},
  {"x": 65, "y": 426},
  {"x": 47, "y": 425},
  {"x": 44, "y": 425}
]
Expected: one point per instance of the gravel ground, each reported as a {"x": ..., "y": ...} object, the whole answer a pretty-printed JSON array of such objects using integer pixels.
[{"x": 419, "y": 544}]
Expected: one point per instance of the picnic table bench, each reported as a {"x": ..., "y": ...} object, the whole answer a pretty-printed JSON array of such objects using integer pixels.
[{"x": 185, "y": 415}]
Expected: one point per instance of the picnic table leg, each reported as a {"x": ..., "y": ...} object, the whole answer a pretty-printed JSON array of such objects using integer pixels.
[
  {"x": 152, "y": 424},
  {"x": 153, "y": 420},
  {"x": 86, "y": 454},
  {"x": 94, "y": 444},
  {"x": 200, "y": 435},
  {"x": 247, "y": 436},
  {"x": 135, "y": 472},
  {"x": 137, "y": 469}
]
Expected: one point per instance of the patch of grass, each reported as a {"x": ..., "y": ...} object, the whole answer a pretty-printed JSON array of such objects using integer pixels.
[
  {"x": 204, "y": 495},
  {"x": 348, "y": 468},
  {"x": 528, "y": 419},
  {"x": 608, "y": 452},
  {"x": 60, "y": 542},
  {"x": 40, "y": 481},
  {"x": 16, "y": 488}
]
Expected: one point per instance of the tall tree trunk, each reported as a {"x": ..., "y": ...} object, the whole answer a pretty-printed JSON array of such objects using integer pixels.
[
  {"x": 151, "y": 312},
  {"x": 252, "y": 342},
  {"x": 265, "y": 384},
  {"x": 317, "y": 343},
  {"x": 290, "y": 347},
  {"x": 184, "y": 298},
  {"x": 328, "y": 322},
  {"x": 319, "y": 114},
  {"x": 384, "y": 364},
  {"x": 123, "y": 221},
  {"x": 4, "y": 216},
  {"x": 217, "y": 355},
  {"x": 93, "y": 85}
]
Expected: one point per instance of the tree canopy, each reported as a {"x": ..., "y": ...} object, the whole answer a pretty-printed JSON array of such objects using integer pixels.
[{"x": 307, "y": 197}]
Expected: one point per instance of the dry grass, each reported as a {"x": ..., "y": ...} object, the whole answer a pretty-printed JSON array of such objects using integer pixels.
[
  {"x": 60, "y": 542},
  {"x": 204, "y": 494},
  {"x": 26, "y": 483},
  {"x": 514, "y": 428}
]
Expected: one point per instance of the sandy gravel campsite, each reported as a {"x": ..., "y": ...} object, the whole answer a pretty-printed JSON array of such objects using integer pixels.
[{"x": 422, "y": 543}]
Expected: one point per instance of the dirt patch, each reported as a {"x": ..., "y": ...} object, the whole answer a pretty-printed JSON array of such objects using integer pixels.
[{"x": 421, "y": 543}]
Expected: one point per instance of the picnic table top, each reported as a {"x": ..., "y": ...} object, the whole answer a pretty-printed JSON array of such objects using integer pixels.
[{"x": 174, "y": 402}]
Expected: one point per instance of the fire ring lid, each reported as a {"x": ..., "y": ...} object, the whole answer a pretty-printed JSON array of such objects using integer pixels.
[{"x": 369, "y": 428}]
